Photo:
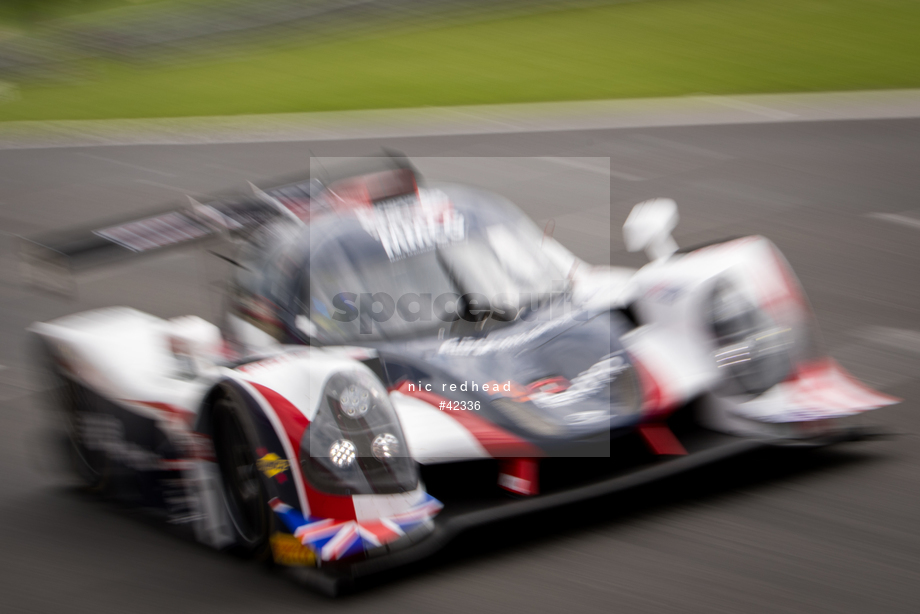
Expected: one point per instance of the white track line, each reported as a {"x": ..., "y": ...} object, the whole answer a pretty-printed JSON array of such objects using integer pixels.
[
  {"x": 897, "y": 338},
  {"x": 466, "y": 120},
  {"x": 895, "y": 218},
  {"x": 574, "y": 163}
]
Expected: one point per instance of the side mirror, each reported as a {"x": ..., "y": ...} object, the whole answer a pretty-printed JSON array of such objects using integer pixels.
[{"x": 649, "y": 227}]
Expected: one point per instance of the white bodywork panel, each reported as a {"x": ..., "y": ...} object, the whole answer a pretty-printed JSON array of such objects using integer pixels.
[
  {"x": 158, "y": 369},
  {"x": 125, "y": 355},
  {"x": 677, "y": 346},
  {"x": 432, "y": 435},
  {"x": 370, "y": 507}
]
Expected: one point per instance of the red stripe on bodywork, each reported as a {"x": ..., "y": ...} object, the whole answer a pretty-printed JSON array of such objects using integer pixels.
[
  {"x": 656, "y": 402},
  {"x": 824, "y": 383},
  {"x": 656, "y": 406},
  {"x": 789, "y": 291},
  {"x": 295, "y": 423},
  {"x": 496, "y": 441},
  {"x": 661, "y": 440},
  {"x": 324, "y": 505},
  {"x": 292, "y": 419},
  {"x": 520, "y": 476}
]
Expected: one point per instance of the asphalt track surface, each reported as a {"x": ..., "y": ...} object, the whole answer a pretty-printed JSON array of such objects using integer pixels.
[{"x": 837, "y": 530}]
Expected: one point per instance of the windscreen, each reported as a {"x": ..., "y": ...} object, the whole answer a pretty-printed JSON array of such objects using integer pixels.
[{"x": 358, "y": 290}]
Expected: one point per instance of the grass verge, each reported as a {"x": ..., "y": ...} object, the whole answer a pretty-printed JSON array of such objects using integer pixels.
[{"x": 652, "y": 48}]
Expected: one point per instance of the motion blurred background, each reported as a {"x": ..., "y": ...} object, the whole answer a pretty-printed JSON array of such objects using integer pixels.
[
  {"x": 82, "y": 59},
  {"x": 835, "y": 531}
]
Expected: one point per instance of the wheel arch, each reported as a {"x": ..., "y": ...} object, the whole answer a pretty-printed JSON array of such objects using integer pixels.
[{"x": 280, "y": 479}]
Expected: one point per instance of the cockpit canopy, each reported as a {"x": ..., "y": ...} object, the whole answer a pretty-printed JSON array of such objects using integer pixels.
[
  {"x": 397, "y": 268},
  {"x": 375, "y": 255}
]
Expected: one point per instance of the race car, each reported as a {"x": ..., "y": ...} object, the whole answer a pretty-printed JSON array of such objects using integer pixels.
[{"x": 400, "y": 360}]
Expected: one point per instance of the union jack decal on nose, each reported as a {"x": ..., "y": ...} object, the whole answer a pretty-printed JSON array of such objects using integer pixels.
[{"x": 333, "y": 539}]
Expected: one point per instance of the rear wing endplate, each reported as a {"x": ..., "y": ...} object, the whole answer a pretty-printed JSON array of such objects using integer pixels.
[{"x": 51, "y": 260}]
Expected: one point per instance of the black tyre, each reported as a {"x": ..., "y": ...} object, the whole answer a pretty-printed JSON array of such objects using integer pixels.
[{"x": 235, "y": 443}]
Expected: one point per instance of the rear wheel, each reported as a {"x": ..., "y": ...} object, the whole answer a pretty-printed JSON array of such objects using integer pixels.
[
  {"x": 91, "y": 464},
  {"x": 234, "y": 446}
]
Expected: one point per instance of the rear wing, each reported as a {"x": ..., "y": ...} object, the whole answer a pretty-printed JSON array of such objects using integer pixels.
[{"x": 51, "y": 260}]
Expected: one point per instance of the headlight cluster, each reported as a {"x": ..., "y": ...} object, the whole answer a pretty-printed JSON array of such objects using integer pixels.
[
  {"x": 751, "y": 349},
  {"x": 354, "y": 444},
  {"x": 342, "y": 453}
]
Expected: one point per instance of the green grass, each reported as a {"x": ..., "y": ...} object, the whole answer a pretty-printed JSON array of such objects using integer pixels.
[
  {"x": 27, "y": 13},
  {"x": 35, "y": 17},
  {"x": 652, "y": 48}
]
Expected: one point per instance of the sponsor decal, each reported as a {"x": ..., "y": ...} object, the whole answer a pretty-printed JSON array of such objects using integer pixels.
[
  {"x": 584, "y": 385},
  {"x": 549, "y": 385},
  {"x": 408, "y": 224},
  {"x": 154, "y": 232},
  {"x": 557, "y": 391},
  {"x": 287, "y": 550},
  {"x": 480, "y": 346},
  {"x": 273, "y": 465},
  {"x": 333, "y": 539}
]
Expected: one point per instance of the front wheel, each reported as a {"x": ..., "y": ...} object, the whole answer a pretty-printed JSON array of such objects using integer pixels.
[{"x": 235, "y": 443}]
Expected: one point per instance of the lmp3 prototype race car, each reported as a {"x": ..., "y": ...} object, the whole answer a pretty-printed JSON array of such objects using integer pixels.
[{"x": 400, "y": 360}]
